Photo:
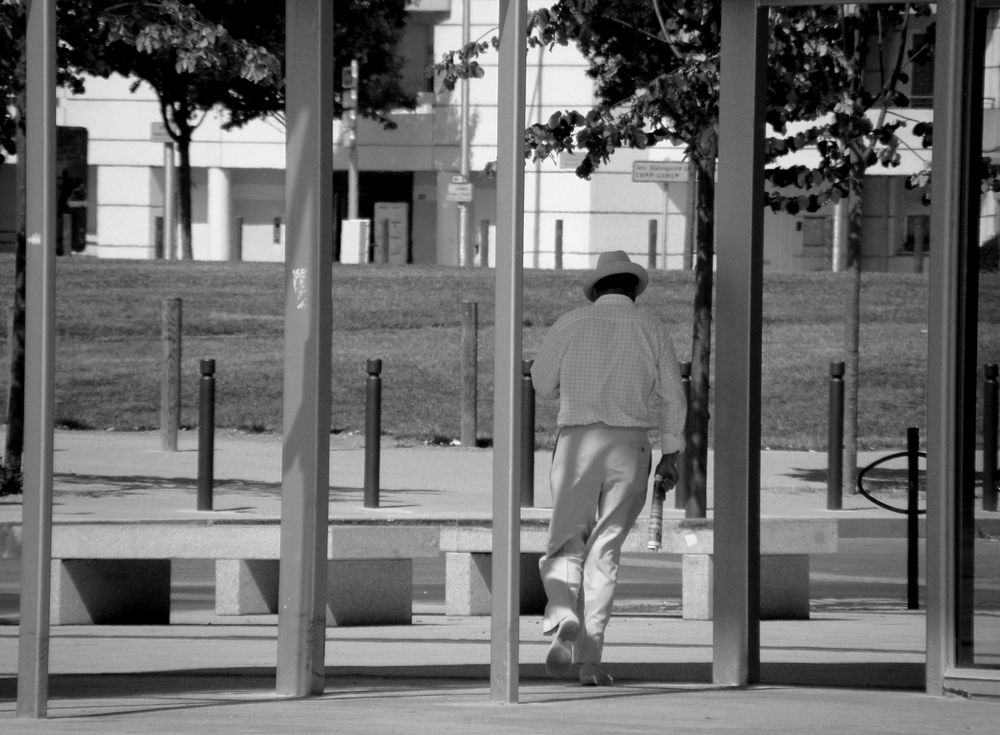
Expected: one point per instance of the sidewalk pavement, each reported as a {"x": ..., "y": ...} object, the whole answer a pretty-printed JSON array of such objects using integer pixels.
[
  {"x": 840, "y": 671},
  {"x": 126, "y": 475}
]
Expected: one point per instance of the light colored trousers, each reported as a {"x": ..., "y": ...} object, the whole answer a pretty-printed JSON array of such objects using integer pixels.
[{"x": 598, "y": 478}]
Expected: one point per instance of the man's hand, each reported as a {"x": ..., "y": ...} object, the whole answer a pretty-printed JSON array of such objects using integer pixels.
[{"x": 666, "y": 470}]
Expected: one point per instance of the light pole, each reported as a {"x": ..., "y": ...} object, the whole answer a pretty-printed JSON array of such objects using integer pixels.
[
  {"x": 465, "y": 254},
  {"x": 350, "y": 83}
]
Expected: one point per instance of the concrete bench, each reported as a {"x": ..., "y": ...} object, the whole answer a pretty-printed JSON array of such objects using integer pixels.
[
  {"x": 786, "y": 544},
  {"x": 119, "y": 573}
]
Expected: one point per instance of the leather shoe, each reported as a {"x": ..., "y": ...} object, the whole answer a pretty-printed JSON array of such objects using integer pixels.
[
  {"x": 560, "y": 656},
  {"x": 592, "y": 675}
]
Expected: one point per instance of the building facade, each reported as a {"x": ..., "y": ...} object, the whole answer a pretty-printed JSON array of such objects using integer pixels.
[{"x": 114, "y": 207}]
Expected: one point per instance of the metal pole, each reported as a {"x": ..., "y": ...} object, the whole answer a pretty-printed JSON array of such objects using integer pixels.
[
  {"x": 951, "y": 339},
  {"x": 206, "y": 434},
  {"x": 484, "y": 243},
  {"x": 507, "y": 456},
  {"x": 736, "y": 594},
  {"x": 305, "y": 462},
  {"x": 527, "y": 436},
  {"x": 684, "y": 468},
  {"x": 236, "y": 252},
  {"x": 835, "y": 439},
  {"x": 352, "y": 158},
  {"x": 170, "y": 385},
  {"x": 465, "y": 254},
  {"x": 912, "y": 516},
  {"x": 470, "y": 369},
  {"x": 651, "y": 248},
  {"x": 559, "y": 244},
  {"x": 169, "y": 204},
  {"x": 39, "y": 394},
  {"x": 373, "y": 432},
  {"x": 990, "y": 437}
]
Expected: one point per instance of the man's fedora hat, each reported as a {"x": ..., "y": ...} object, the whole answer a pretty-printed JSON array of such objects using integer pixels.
[{"x": 612, "y": 263}]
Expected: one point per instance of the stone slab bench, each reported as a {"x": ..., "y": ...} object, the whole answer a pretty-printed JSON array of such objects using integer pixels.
[
  {"x": 786, "y": 545},
  {"x": 119, "y": 573}
]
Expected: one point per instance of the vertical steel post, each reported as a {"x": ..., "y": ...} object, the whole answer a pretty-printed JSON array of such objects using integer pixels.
[
  {"x": 373, "y": 432},
  {"x": 684, "y": 468},
  {"x": 990, "y": 437},
  {"x": 912, "y": 519},
  {"x": 559, "y": 245},
  {"x": 835, "y": 439},
  {"x": 206, "y": 434},
  {"x": 484, "y": 243},
  {"x": 170, "y": 251},
  {"x": 305, "y": 463},
  {"x": 527, "y": 436},
  {"x": 504, "y": 634},
  {"x": 651, "y": 244},
  {"x": 950, "y": 329},
  {"x": 470, "y": 372},
  {"x": 465, "y": 256},
  {"x": 736, "y": 594},
  {"x": 39, "y": 394},
  {"x": 170, "y": 380}
]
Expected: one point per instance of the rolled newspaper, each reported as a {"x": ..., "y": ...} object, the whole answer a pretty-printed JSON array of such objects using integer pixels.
[{"x": 655, "y": 540}]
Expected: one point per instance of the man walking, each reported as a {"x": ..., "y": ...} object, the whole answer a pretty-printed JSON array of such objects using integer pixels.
[{"x": 613, "y": 368}]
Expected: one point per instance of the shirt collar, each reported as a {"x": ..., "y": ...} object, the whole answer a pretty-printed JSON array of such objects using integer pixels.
[{"x": 615, "y": 298}]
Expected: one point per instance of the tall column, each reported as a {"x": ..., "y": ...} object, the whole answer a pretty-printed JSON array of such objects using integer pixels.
[
  {"x": 305, "y": 459},
  {"x": 507, "y": 457},
  {"x": 739, "y": 295},
  {"x": 220, "y": 213},
  {"x": 39, "y": 392}
]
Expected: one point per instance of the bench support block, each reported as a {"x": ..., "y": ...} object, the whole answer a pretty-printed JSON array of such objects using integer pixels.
[
  {"x": 469, "y": 578},
  {"x": 784, "y": 586},
  {"x": 110, "y": 592},
  {"x": 359, "y": 591}
]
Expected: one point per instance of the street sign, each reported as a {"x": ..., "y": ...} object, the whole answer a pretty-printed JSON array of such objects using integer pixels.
[
  {"x": 459, "y": 191},
  {"x": 660, "y": 172},
  {"x": 158, "y": 133}
]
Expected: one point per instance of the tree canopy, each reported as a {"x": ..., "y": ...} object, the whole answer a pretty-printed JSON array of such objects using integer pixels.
[{"x": 656, "y": 68}]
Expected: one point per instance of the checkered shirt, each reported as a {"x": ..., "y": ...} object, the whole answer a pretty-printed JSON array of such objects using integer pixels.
[{"x": 614, "y": 363}]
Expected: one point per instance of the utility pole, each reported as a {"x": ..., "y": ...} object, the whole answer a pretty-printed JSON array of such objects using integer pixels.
[
  {"x": 465, "y": 254},
  {"x": 350, "y": 83}
]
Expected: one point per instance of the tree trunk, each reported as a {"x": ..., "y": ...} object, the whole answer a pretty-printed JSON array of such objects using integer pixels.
[
  {"x": 852, "y": 334},
  {"x": 14, "y": 443},
  {"x": 184, "y": 187},
  {"x": 701, "y": 343}
]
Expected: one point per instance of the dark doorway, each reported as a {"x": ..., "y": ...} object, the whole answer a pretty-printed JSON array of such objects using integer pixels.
[{"x": 373, "y": 186}]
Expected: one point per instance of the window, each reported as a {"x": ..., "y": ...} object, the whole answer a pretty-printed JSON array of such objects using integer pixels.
[
  {"x": 921, "y": 72},
  {"x": 917, "y": 230}
]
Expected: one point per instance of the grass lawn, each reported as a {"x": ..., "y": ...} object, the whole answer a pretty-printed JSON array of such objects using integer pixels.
[{"x": 108, "y": 344}]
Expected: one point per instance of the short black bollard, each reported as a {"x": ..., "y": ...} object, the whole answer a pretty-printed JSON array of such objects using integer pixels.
[
  {"x": 990, "y": 437},
  {"x": 683, "y": 469},
  {"x": 206, "y": 434},
  {"x": 527, "y": 436},
  {"x": 835, "y": 440},
  {"x": 373, "y": 432},
  {"x": 912, "y": 514}
]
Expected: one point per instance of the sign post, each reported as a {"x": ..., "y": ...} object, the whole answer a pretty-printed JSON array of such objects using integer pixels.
[{"x": 158, "y": 133}]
